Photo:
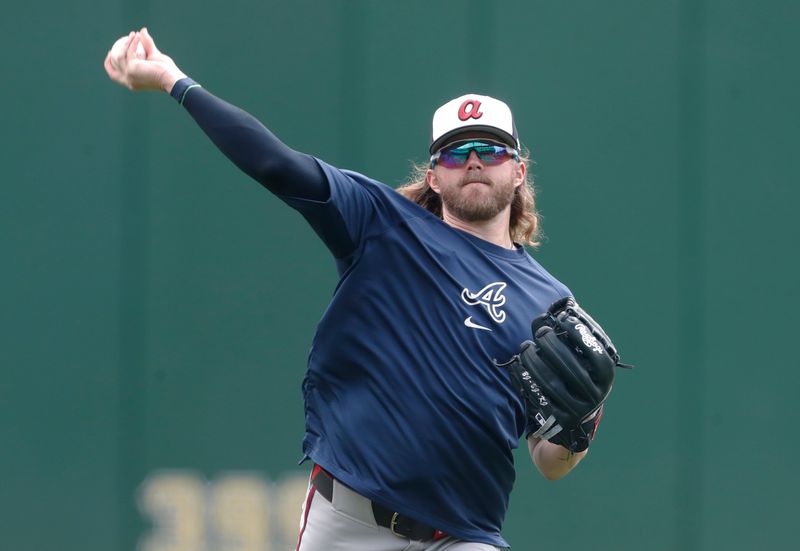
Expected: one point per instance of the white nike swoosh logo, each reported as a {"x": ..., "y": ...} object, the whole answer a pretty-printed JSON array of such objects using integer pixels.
[{"x": 469, "y": 323}]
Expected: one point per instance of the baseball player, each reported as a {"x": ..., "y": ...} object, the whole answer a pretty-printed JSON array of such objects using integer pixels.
[{"x": 412, "y": 406}]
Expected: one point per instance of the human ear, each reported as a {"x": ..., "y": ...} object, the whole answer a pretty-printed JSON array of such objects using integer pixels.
[
  {"x": 432, "y": 181},
  {"x": 521, "y": 171}
]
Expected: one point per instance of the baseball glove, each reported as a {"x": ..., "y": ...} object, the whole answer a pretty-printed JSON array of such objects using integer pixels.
[{"x": 564, "y": 375}]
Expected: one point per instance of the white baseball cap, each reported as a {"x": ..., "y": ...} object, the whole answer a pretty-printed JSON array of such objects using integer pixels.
[{"x": 473, "y": 112}]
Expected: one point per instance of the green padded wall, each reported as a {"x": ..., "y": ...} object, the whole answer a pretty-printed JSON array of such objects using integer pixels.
[{"x": 158, "y": 306}]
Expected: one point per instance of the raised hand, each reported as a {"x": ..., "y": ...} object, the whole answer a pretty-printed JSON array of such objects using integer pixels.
[{"x": 135, "y": 62}]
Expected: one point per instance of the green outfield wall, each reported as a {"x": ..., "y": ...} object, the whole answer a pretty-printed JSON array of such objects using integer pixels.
[{"x": 158, "y": 306}]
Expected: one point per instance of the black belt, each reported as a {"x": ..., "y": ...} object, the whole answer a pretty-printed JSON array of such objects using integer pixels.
[{"x": 400, "y": 525}]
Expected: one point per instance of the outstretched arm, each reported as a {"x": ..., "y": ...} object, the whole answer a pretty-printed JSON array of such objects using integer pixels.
[{"x": 136, "y": 63}]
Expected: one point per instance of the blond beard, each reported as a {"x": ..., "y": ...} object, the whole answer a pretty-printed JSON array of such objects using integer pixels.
[{"x": 474, "y": 207}]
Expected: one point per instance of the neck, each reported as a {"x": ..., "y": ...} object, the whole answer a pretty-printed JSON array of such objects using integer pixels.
[{"x": 494, "y": 231}]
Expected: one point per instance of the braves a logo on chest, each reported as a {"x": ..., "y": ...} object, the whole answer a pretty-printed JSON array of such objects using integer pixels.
[{"x": 491, "y": 298}]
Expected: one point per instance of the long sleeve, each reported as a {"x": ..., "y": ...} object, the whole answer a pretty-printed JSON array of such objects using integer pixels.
[{"x": 251, "y": 146}]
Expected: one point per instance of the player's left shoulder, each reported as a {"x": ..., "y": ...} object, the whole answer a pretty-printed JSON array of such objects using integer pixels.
[{"x": 556, "y": 289}]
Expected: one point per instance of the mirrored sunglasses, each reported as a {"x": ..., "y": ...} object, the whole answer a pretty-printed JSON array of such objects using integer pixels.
[{"x": 489, "y": 153}]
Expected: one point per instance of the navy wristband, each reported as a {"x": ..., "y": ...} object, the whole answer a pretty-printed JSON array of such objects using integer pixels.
[{"x": 182, "y": 88}]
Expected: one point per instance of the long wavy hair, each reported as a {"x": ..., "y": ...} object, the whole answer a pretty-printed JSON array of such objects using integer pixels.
[{"x": 524, "y": 226}]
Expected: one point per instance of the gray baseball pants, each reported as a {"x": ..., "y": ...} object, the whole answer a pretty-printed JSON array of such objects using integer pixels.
[{"x": 347, "y": 524}]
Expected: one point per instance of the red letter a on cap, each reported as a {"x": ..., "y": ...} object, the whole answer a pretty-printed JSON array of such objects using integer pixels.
[{"x": 470, "y": 109}]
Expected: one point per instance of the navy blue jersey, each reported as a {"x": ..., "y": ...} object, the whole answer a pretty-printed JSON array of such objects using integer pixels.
[{"x": 403, "y": 400}]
